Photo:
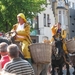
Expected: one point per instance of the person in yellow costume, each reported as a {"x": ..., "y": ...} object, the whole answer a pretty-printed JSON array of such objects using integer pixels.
[
  {"x": 22, "y": 29},
  {"x": 57, "y": 32}
]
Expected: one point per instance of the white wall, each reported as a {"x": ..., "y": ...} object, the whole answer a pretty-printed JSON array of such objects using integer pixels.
[
  {"x": 71, "y": 0},
  {"x": 46, "y": 31},
  {"x": 71, "y": 4}
]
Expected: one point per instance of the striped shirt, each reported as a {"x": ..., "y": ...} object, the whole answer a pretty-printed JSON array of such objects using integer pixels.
[{"x": 19, "y": 67}]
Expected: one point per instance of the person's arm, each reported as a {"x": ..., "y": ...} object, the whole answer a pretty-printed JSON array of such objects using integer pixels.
[
  {"x": 53, "y": 29},
  {"x": 63, "y": 34}
]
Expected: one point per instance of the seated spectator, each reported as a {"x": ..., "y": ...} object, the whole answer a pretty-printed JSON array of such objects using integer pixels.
[
  {"x": 4, "y": 56},
  {"x": 17, "y": 65}
]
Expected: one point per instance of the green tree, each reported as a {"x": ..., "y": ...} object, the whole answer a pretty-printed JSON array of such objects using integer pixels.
[{"x": 10, "y": 8}]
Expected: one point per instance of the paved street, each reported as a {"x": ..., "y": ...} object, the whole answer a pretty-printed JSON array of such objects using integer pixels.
[{"x": 64, "y": 71}]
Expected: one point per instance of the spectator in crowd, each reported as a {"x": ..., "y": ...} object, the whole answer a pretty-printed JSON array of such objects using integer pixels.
[
  {"x": 4, "y": 56},
  {"x": 17, "y": 65},
  {"x": 21, "y": 32}
]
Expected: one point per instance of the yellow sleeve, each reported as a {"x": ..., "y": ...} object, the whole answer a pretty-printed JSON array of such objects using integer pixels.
[
  {"x": 63, "y": 34},
  {"x": 25, "y": 31},
  {"x": 53, "y": 29}
]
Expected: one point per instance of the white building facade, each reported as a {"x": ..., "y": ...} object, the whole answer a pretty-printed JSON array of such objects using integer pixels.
[
  {"x": 72, "y": 4},
  {"x": 45, "y": 20}
]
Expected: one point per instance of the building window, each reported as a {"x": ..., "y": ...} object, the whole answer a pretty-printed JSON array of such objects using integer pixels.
[
  {"x": 73, "y": 5},
  {"x": 72, "y": 23},
  {"x": 72, "y": 30},
  {"x": 45, "y": 20},
  {"x": 66, "y": 1},
  {"x": 61, "y": 17},
  {"x": 34, "y": 40},
  {"x": 64, "y": 18},
  {"x": 70, "y": 16},
  {"x": 48, "y": 20},
  {"x": 69, "y": 4},
  {"x": 37, "y": 22}
]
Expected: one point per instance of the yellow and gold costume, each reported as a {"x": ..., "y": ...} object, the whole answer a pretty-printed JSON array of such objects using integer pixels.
[
  {"x": 23, "y": 35},
  {"x": 63, "y": 35}
]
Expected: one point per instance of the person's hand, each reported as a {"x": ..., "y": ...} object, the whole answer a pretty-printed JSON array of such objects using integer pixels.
[{"x": 55, "y": 25}]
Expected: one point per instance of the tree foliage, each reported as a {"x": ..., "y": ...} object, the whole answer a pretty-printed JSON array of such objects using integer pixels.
[{"x": 10, "y": 8}]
